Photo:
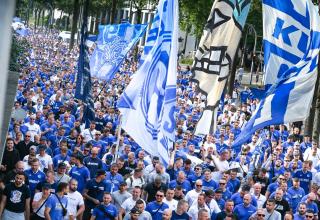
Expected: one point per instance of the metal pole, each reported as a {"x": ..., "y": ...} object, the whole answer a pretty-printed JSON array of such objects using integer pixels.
[
  {"x": 244, "y": 49},
  {"x": 254, "y": 52},
  {"x": 6, "y": 14},
  {"x": 118, "y": 139}
]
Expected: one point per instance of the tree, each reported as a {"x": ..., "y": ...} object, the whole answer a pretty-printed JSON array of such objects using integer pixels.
[{"x": 75, "y": 17}]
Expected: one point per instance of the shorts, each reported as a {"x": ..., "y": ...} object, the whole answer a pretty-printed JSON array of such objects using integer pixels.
[{"x": 8, "y": 215}]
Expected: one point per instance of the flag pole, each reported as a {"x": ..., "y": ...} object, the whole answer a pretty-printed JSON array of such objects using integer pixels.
[{"x": 118, "y": 139}]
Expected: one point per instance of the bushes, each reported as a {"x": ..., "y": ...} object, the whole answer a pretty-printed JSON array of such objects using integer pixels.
[{"x": 18, "y": 54}]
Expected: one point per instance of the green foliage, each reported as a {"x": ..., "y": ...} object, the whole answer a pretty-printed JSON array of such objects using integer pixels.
[
  {"x": 194, "y": 14},
  {"x": 187, "y": 61},
  {"x": 19, "y": 49}
]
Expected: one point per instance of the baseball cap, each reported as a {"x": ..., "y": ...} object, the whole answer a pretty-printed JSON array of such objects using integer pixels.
[
  {"x": 209, "y": 193},
  {"x": 134, "y": 210},
  {"x": 62, "y": 165},
  {"x": 33, "y": 147},
  {"x": 42, "y": 147},
  {"x": 100, "y": 172}
]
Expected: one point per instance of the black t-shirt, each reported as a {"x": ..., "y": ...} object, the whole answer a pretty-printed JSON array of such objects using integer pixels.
[
  {"x": 282, "y": 207},
  {"x": 175, "y": 216},
  {"x": 222, "y": 215},
  {"x": 151, "y": 189},
  {"x": 16, "y": 197},
  {"x": 10, "y": 178}
]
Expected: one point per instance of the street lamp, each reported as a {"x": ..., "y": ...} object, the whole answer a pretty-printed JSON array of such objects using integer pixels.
[{"x": 250, "y": 31}]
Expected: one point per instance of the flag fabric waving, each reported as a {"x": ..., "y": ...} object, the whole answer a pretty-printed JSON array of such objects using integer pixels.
[
  {"x": 286, "y": 26},
  {"x": 83, "y": 83},
  {"x": 216, "y": 51},
  {"x": 290, "y": 99},
  {"x": 113, "y": 44},
  {"x": 148, "y": 103}
]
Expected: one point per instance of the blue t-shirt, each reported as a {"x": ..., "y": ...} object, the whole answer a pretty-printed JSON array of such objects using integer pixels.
[
  {"x": 305, "y": 179},
  {"x": 53, "y": 203},
  {"x": 243, "y": 212},
  {"x": 100, "y": 212},
  {"x": 93, "y": 164},
  {"x": 186, "y": 186},
  {"x": 237, "y": 199},
  {"x": 113, "y": 181},
  {"x": 60, "y": 158},
  {"x": 296, "y": 196},
  {"x": 82, "y": 175},
  {"x": 156, "y": 210},
  {"x": 206, "y": 185},
  {"x": 34, "y": 179},
  {"x": 95, "y": 190},
  {"x": 175, "y": 216},
  {"x": 235, "y": 183}
]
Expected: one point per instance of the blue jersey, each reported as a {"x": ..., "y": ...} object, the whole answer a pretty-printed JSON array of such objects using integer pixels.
[
  {"x": 82, "y": 175},
  {"x": 221, "y": 203},
  {"x": 95, "y": 190},
  {"x": 273, "y": 187},
  {"x": 310, "y": 206},
  {"x": 100, "y": 212},
  {"x": 113, "y": 181},
  {"x": 305, "y": 179},
  {"x": 34, "y": 179},
  {"x": 93, "y": 164},
  {"x": 206, "y": 185},
  {"x": 60, "y": 158},
  {"x": 235, "y": 183},
  {"x": 51, "y": 129},
  {"x": 56, "y": 211},
  {"x": 296, "y": 195},
  {"x": 186, "y": 186},
  {"x": 237, "y": 199},
  {"x": 243, "y": 212},
  {"x": 226, "y": 195},
  {"x": 156, "y": 210}
]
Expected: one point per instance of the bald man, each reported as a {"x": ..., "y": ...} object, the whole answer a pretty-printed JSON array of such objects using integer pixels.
[{"x": 245, "y": 209}]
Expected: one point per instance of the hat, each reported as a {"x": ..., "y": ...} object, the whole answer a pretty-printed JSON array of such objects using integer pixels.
[
  {"x": 62, "y": 165},
  {"x": 43, "y": 138},
  {"x": 46, "y": 186},
  {"x": 134, "y": 210},
  {"x": 123, "y": 184},
  {"x": 218, "y": 190},
  {"x": 155, "y": 158},
  {"x": 100, "y": 172},
  {"x": 33, "y": 148},
  {"x": 209, "y": 157},
  {"x": 42, "y": 147}
]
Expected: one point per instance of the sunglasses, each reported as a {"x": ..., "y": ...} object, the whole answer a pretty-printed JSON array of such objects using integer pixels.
[
  {"x": 199, "y": 185},
  {"x": 309, "y": 216},
  {"x": 159, "y": 196},
  {"x": 222, "y": 183},
  {"x": 262, "y": 215}
]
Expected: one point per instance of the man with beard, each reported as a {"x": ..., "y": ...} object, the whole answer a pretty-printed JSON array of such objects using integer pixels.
[
  {"x": 106, "y": 210},
  {"x": 282, "y": 206},
  {"x": 245, "y": 209},
  {"x": 75, "y": 200},
  {"x": 93, "y": 192},
  {"x": 157, "y": 207},
  {"x": 270, "y": 212},
  {"x": 301, "y": 214},
  {"x": 228, "y": 211},
  {"x": 15, "y": 202}
]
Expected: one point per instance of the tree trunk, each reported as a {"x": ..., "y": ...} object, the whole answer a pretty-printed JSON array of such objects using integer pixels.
[
  {"x": 35, "y": 18},
  {"x": 139, "y": 16},
  {"x": 38, "y": 19},
  {"x": 316, "y": 109},
  {"x": 232, "y": 76},
  {"x": 42, "y": 19},
  {"x": 75, "y": 17},
  {"x": 113, "y": 11},
  {"x": 67, "y": 22}
]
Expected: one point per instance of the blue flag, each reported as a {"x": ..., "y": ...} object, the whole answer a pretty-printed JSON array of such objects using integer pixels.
[
  {"x": 113, "y": 44},
  {"x": 286, "y": 32},
  {"x": 148, "y": 103},
  {"x": 83, "y": 84},
  {"x": 289, "y": 100}
]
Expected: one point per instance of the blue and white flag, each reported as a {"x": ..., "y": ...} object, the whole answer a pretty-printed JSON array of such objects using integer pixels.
[
  {"x": 148, "y": 103},
  {"x": 217, "y": 48},
  {"x": 290, "y": 99},
  {"x": 83, "y": 83},
  {"x": 286, "y": 32},
  {"x": 113, "y": 44}
]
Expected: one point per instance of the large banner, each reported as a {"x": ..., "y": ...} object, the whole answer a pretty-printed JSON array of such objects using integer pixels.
[
  {"x": 148, "y": 103},
  {"x": 214, "y": 57},
  {"x": 289, "y": 99},
  {"x": 113, "y": 44},
  {"x": 286, "y": 33}
]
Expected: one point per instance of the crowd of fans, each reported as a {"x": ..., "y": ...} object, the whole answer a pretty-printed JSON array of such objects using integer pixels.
[{"x": 55, "y": 168}]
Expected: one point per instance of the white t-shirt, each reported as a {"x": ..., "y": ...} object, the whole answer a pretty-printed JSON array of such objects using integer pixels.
[
  {"x": 128, "y": 204},
  {"x": 45, "y": 161},
  {"x": 88, "y": 134},
  {"x": 172, "y": 204},
  {"x": 191, "y": 196},
  {"x": 33, "y": 129},
  {"x": 74, "y": 199},
  {"x": 36, "y": 198}
]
